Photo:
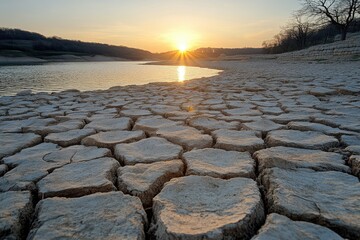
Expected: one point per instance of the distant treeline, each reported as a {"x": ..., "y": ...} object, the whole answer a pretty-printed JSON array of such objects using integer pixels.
[
  {"x": 301, "y": 34},
  {"x": 36, "y": 44},
  {"x": 209, "y": 53}
]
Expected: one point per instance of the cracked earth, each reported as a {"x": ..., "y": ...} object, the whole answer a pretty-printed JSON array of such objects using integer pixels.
[{"x": 265, "y": 150}]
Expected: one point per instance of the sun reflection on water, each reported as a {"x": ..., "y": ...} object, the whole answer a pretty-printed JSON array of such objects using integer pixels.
[{"x": 181, "y": 70}]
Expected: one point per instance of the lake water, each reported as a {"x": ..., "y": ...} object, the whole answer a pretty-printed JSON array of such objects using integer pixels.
[{"x": 84, "y": 76}]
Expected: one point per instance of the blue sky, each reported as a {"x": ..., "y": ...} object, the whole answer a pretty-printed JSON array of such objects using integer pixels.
[{"x": 155, "y": 25}]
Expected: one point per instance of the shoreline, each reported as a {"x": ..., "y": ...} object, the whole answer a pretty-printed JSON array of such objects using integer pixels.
[{"x": 213, "y": 64}]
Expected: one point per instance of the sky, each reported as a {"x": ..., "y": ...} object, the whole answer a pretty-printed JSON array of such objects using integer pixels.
[{"x": 154, "y": 25}]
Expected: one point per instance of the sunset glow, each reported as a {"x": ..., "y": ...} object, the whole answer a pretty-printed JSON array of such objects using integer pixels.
[
  {"x": 183, "y": 40},
  {"x": 202, "y": 23},
  {"x": 182, "y": 47}
]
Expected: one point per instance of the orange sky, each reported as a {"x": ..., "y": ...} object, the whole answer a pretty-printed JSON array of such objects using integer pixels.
[{"x": 154, "y": 25}]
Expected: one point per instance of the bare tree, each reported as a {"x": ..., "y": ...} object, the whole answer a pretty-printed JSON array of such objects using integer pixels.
[
  {"x": 300, "y": 30},
  {"x": 340, "y": 13}
]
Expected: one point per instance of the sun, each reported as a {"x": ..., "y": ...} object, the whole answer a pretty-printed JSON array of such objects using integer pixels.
[
  {"x": 181, "y": 40},
  {"x": 182, "y": 47}
]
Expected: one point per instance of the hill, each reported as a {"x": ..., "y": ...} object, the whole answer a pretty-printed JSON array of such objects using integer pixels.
[
  {"x": 19, "y": 43},
  {"x": 19, "y": 46},
  {"x": 345, "y": 50}
]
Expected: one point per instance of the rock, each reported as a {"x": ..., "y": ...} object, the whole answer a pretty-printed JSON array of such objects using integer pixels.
[
  {"x": 242, "y": 119},
  {"x": 219, "y": 163},
  {"x": 210, "y": 124},
  {"x": 198, "y": 207},
  {"x": 24, "y": 176},
  {"x": 55, "y": 127},
  {"x": 79, "y": 179},
  {"x": 179, "y": 115},
  {"x": 68, "y": 138},
  {"x": 238, "y": 140},
  {"x": 265, "y": 103},
  {"x": 288, "y": 117},
  {"x": 98, "y": 216},
  {"x": 33, "y": 164},
  {"x": 3, "y": 169},
  {"x": 240, "y": 104},
  {"x": 348, "y": 90},
  {"x": 337, "y": 121},
  {"x": 350, "y": 140},
  {"x": 117, "y": 104},
  {"x": 101, "y": 117},
  {"x": 73, "y": 116},
  {"x": 271, "y": 110},
  {"x": 163, "y": 109},
  {"x": 349, "y": 111},
  {"x": 354, "y": 162},
  {"x": 309, "y": 126},
  {"x": 263, "y": 125},
  {"x": 76, "y": 153},
  {"x": 151, "y": 124},
  {"x": 322, "y": 91},
  {"x": 327, "y": 198},
  {"x": 278, "y": 227},
  {"x": 187, "y": 137},
  {"x": 212, "y": 102},
  {"x": 135, "y": 113},
  {"x": 30, "y": 154},
  {"x": 16, "y": 126},
  {"x": 50, "y": 153},
  {"x": 24, "y": 93},
  {"x": 111, "y": 124},
  {"x": 354, "y": 149},
  {"x": 353, "y": 126},
  {"x": 53, "y": 114},
  {"x": 148, "y": 150},
  {"x": 19, "y": 117},
  {"x": 294, "y": 138},
  {"x": 111, "y": 138},
  {"x": 290, "y": 158},
  {"x": 11, "y": 143},
  {"x": 243, "y": 112},
  {"x": 308, "y": 100},
  {"x": 15, "y": 214},
  {"x": 146, "y": 180}
]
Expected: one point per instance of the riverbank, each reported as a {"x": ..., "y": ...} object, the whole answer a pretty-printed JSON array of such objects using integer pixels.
[{"x": 264, "y": 144}]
